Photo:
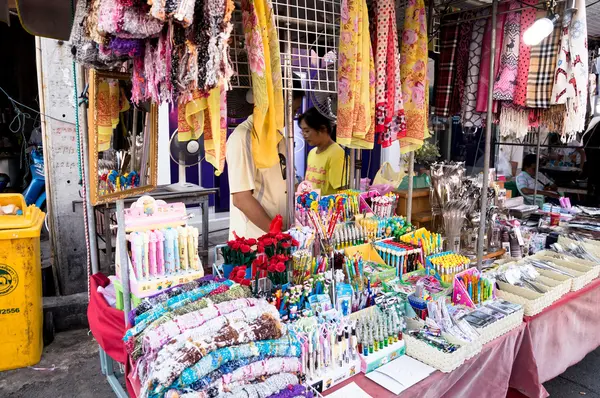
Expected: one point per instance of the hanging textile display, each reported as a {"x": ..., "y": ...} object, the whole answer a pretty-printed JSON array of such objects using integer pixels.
[
  {"x": 264, "y": 61},
  {"x": 415, "y": 91},
  {"x": 470, "y": 117},
  {"x": 527, "y": 19},
  {"x": 356, "y": 78},
  {"x": 541, "y": 68},
  {"x": 570, "y": 76},
  {"x": 462, "y": 63},
  {"x": 504, "y": 86},
  {"x": 514, "y": 121},
  {"x": 484, "y": 71},
  {"x": 446, "y": 69},
  {"x": 390, "y": 123}
]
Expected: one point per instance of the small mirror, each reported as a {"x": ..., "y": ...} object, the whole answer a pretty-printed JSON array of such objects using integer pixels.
[{"x": 122, "y": 139}]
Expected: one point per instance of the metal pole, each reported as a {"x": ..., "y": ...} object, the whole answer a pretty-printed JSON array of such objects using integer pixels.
[
  {"x": 488, "y": 139},
  {"x": 358, "y": 167},
  {"x": 91, "y": 220},
  {"x": 289, "y": 130},
  {"x": 411, "y": 166},
  {"x": 123, "y": 259},
  {"x": 352, "y": 182},
  {"x": 134, "y": 139},
  {"x": 537, "y": 167}
]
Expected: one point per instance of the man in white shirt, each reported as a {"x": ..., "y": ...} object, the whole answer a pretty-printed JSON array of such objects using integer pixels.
[
  {"x": 257, "y": 195},
  {"x": 526, "y": 182}
]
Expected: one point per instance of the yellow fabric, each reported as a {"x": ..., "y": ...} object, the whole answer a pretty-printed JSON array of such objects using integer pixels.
[
  {"x": 326, "y": 170},
  {"x": 413, "y": 72},
  {"x": 191, "y": 124},
  {"x": 356, "y": 78},
  {"x": 264, "y": 60},
  {"x": 267, "y": 185},
  {"x": 107, "y": 111}
]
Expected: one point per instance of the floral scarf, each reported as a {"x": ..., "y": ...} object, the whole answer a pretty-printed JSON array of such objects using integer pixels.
[
  {"x": 413, "y": 61},
  {"x": 356, "y": 78},
  {"x": 191, "y": 124},
  {"x": 264, "y": 60},
  {"x": 504, "y": 87},
  {"x": 389, "y": 111},
  {"x": 470, "y": 117}
]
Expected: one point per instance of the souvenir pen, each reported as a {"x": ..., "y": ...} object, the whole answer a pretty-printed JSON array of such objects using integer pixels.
[
  {"x": 136, "y": 253},
  {"x": 176, "y": 253},
  {"x": 170, "y": 235},
  {"x": 152, "y": 253},
  {"x": 146, "y": 255},
  {"x": 160, "y": 259}
]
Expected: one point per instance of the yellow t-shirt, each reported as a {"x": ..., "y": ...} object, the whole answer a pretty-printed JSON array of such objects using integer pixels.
[
  {"x": 268, "y": 185},
  {"x": 326, "y": 170}
]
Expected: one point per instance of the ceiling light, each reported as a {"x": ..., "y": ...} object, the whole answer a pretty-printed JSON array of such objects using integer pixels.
[{"x": 540, "y": 29}]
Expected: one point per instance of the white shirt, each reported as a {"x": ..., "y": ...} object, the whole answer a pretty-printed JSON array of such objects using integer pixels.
[{"x": 524, "y": 180}]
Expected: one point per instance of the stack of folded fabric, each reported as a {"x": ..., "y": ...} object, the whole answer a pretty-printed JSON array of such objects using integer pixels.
[{"x": 211, "y": 338}]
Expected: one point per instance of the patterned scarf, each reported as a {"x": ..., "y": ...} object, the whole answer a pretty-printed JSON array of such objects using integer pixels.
[
  {"x": 264, "y": 60},
  {"x": 462, "y": 63},
  {"x": 541, "y": 68},
  {"x": 570, "y": 78},
  {"x": 356, "y": 78},
  {"x": 389, "y": 111},
  {"x": 206, "y": 115},
  {"x": 413, "y": 61},
  {"x": 470, "y": 117},
  {"x": 504, "y": 87},
  {"x": 484, "y": 71},
  {"x": 446, "y": 69},
  {"x": 527, "y": 19}
]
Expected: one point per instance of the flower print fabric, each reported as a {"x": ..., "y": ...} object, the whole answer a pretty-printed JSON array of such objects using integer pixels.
[
  {"x": 413, "y": 71},
  {"x": 356, "y": 78}
]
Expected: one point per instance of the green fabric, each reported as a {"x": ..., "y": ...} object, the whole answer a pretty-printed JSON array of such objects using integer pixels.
[{"x": 421, "y": 181}]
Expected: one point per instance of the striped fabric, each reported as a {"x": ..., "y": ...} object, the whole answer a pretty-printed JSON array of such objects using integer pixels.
[
  {"x": 542, "y": 62},
  {"x": 446, "y": 69}
]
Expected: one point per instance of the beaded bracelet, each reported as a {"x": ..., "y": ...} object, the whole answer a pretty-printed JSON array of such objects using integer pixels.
[
  {"x": 295, "y": 391},
  {"x": 188, "y": 348},
  {"x": 221, "y": 294},
  {"x": 287, "y": 346},
  {"x": 154, "y": 339}
]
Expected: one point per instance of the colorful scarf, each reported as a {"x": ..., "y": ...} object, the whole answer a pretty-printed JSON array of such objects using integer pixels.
[
  {"x": 110, "y": 103},
  {"x": 504, "y": 87},
  {"x": 462, "y": 63},
  {"x": 191, "y": 124},
  {"x": 389, "y": 111},
  {"x": 413, "y": 61},
  {"x": 446, "y": 69},
  {"x": 264, "y": 60},
  {"x": 356, "y": 78},
  {"x": 570, "y": 77},
  {"x": 527, "y": 19},
  {"x": 541, "y": 68},
  {"x": 484, "y": 71},
  {"x": 470, "y": 117}
]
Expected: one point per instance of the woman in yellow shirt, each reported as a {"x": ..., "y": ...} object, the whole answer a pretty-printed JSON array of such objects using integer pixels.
[{"x": 326, "y": 166}]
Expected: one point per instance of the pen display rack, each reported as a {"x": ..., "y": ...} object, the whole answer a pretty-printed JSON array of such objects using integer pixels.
[
  {"x": 444, "y": 266},
  {"x": 162, "y": 249},
  {"x": 470, "y": 288}
]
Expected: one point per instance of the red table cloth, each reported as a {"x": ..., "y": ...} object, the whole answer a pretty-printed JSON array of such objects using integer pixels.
[
  {"x": 485, "y": 375},
  {"x": 560, "y": 336}
]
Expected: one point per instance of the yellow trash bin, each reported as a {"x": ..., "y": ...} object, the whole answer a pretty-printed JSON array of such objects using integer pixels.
[{"x": 21, "y": 315}]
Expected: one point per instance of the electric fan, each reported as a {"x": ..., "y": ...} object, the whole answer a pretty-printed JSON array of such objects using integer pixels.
[
  {"x": 323, "y": 91},
  {"x": 185, "y": 154}
]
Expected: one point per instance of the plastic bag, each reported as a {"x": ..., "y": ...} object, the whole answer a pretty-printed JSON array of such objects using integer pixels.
[{"x": 387, "y": 175}]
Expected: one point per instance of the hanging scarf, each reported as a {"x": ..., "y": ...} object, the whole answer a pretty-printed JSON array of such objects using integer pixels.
[
  {"x": 413, "y": 61},
  {"x": 446, "y": 69},
  {"x": 541, "y": 68},
  {"x": 570, "y": 77},
  {"x": 527, "y": 19},
  {"x": 264, "y": 60},
  {"x": 389, "y": 111},
  {"x": 206, "y": 115},
  {"x": 462, "y": 63},
  {"x": 470, "y": 117},
  {"x": 504, "y": 87},
  {"x": 356, "y": 78},
  {"x": 110, "y": 103},
  {"x": 514, "y": 121},
  {"x": 484, "y": 71}
]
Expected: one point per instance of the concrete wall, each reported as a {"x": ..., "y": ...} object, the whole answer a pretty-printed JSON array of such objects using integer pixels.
[{"x": 55, "y": 79}]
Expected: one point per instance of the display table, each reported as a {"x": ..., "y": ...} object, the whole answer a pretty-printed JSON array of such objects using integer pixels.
[
  {"x": 560, "y": 336},
  {"x": 487, "y": 374}
]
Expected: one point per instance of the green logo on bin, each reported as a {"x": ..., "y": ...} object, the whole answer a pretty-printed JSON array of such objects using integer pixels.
[{"x": 8, "y": 279}]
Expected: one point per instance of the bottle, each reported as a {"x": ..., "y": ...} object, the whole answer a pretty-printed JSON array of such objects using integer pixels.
[{"x": 354, "y": 344}]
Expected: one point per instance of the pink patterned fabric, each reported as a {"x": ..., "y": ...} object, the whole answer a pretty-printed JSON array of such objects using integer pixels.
[
  {"x": 484, "y": 71},
  {"x": 527, "y": 19},
  {"x": 504, "y": 87}
]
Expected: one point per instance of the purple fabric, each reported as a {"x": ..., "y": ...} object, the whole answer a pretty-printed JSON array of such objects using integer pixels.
[
  {"x": 130, "y": 47},
  {"x": 297, "y": 390}
]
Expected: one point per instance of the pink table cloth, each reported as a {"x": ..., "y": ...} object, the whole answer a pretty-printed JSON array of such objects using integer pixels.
[
  {"x": 485, "y": 375},
  {"x": 560, "y": 336}
]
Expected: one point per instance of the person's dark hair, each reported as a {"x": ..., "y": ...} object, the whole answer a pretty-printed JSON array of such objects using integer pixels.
[
  {"x": 297, "y": 86},
  {"x": 314, "y": 119},
  {"x": 529, "y": 160}
]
